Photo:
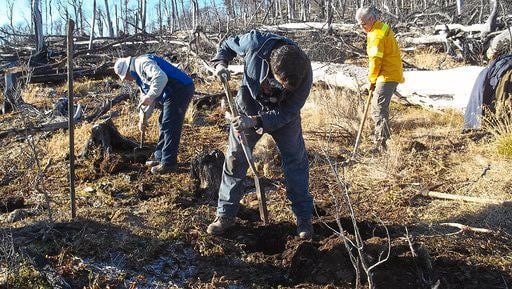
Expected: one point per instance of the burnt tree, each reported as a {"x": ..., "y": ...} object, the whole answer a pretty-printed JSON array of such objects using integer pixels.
[
  {"x": 206, "y": 172},
  {"x": 108, "y": 138}
]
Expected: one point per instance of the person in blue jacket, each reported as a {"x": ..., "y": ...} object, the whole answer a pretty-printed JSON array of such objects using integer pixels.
[
  {"x": 160, "y": 82},
  {"x": 276, "y": 82}
]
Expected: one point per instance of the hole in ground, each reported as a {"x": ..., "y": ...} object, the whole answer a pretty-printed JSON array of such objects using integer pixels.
[{"x": 269, "y": 240}]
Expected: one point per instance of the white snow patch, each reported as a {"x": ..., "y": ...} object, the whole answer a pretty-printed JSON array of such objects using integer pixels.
[{"x": 439, "y": 89}]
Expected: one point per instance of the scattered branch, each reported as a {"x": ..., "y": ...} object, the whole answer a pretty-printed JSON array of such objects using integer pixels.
[
  {"x": 439, "y": 195},
  {"x": 467, "y": 228}
]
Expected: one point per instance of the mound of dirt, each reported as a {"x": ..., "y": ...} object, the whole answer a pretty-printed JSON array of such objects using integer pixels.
[{"x": 328, "y": 263}]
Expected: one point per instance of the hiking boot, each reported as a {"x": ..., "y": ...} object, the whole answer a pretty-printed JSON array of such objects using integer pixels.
[
  {"x": 220, "y": 225},
  {"x": 304, "y": 229},
  {"x": 152, "y": 163},
  {"x": 164, "y": 169}
]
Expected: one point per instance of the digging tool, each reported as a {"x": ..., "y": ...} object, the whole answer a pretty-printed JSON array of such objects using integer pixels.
[
  {"x": 141, "y": 149},
  {"x": 260, "y": 193},
  {"x": 360, "y": 130}
]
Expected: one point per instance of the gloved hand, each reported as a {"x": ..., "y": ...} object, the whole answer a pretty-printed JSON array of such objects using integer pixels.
[
  {"x": 144, "y": 114},
  {"x": 145, "y": 100},
  {"x": 243, "y": 122},
  {"x": 222, "y": 71},
  {"x": 372, "y": 87}
]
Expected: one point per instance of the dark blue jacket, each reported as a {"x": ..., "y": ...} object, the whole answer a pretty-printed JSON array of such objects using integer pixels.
[
  {"x": 484, "y": 90},
  {"x": 255, "y": 47}
]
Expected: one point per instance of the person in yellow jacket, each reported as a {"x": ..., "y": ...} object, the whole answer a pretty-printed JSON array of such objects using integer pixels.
[{"x": 384, "y": 69}]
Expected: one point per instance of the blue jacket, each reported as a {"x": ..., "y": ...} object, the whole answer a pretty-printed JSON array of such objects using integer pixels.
[
  {"x": 176, "y": 79},
  {"x": 484, "y": 90},
  {"x": 255, "y": 47}
]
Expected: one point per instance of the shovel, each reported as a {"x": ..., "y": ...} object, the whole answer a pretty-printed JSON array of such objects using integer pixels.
[
  {"x": 141, "y": 152},
  {"x": 260, "y": 193},
  {"x": 359, "y": 131}
]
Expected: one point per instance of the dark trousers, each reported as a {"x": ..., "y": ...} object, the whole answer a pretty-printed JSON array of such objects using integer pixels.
[
  {"x": 295, "y": 164},
  {"x": 170, "y": 123}
]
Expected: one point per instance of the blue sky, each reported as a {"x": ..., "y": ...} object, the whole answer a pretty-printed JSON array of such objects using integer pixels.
[{"x": 21, "y": 11}]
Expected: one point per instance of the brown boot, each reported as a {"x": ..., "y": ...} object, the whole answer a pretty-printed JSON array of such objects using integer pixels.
[{"x": 220, "y": 225}]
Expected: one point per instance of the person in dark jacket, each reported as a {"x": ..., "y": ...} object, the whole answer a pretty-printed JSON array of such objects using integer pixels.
[
  {"x": 160, "y": 82},
  {"x": 490, "y": 92},
  {"x": 276, "y": 82}
]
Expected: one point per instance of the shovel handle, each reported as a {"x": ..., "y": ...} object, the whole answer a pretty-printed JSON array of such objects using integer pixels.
[
  {"x": 260, "y": 193},
  {"x": 142, "y": 135},
  {"x": 361, "y": 125}
]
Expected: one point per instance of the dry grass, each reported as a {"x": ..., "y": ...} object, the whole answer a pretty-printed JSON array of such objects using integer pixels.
[
  {"x": 430, "y": 58},
  {"x": 266, "y": 157},
  {"x": 501, "y": 128},
  {"x": 38, "y": 95},
  {"x": 57, "y": 146},
  {"x": 333, "y": 110}
]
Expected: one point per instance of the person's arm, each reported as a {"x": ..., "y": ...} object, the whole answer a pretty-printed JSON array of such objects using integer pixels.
[
  {"x": 289, "y": 108},
  {"x": 233, "y": 46},
  {"x": 375, "y": 54},
  {"x": 152, "y": 74}
]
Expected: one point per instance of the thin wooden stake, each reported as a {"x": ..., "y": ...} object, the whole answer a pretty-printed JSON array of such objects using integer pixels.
[{"x": 71, "y": 26}]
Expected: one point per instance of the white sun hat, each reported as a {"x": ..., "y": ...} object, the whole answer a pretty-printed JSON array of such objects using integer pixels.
[{"x": 121, "y": 66}]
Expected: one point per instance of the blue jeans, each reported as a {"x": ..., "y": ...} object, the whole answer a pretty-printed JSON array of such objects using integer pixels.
[
  {"x": 170, "y": 123},
  {"x": 295, "y": 164}
]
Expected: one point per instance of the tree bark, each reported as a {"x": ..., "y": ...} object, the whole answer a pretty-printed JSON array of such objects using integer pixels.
[
  {"x": 11, "y": 94},
  {"x": 93, "y": 23},
  {"x": 109, "y": 20},
  {"x": 195, "y": 13},
  {"x": 38, "y": 24},
  {"x": 143, "y": 9}
]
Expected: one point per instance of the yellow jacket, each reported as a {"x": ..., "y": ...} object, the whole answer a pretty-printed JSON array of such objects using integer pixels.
[{"x": 384, "y": 60}]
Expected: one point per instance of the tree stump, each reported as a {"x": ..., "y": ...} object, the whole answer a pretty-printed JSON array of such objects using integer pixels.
[
  {"x": 107, "y": 137},
  {"x": 12, "y": 96},
  {"x": 206, "y": 173},
  {"x": 11, "y": 203}
]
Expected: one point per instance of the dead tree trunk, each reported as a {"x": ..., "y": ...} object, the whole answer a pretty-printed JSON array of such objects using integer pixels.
[
  {"x": 93, "y": 22},
  {"x": 109, "y": 20},
  {"x": 142, "y": 14},
  {"x": 38, "y": 24},
  {"x": 195, "y": 13},
  {"x": 11, "y": 95}
]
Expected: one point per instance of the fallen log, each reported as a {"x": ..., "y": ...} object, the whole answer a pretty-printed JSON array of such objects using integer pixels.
[
  {"x": 29, "y": 130},
  {"x": 202, "y": 99},
  {"x": 439, "y": 195},
  {"x": 107, "y": 105},
  {"x": 48, "y": 127}
]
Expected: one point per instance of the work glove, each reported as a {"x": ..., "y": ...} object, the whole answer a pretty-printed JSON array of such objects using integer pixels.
[
  {"x": 144, "y": 114},
  {"x": 243, "y": 122},
  {"x": 221, "y": 70},
  {"x": 146, "y": 100}
]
